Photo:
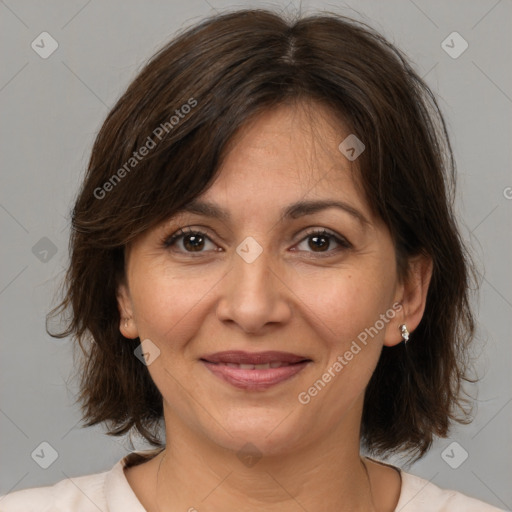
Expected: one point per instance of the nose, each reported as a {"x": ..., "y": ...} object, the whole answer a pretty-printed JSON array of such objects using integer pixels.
[{"x": 253, "y": 295}]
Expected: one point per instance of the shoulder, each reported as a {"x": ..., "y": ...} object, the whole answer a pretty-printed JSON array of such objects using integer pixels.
[
  {"x": 105, "y": 492},
  {"x": 420, "y": 495},
  {"x": 80, "y": 494}
]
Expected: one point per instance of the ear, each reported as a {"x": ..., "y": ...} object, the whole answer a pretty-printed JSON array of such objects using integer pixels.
[
  {"x": 124, "y": 303},
  {"x": 412, "y": 295}
]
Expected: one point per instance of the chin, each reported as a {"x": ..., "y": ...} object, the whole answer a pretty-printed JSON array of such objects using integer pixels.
[{"x": 269, "y": 436}]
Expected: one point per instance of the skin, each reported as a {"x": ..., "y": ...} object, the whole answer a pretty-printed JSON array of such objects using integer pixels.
[{"x": 295, "y": 297}]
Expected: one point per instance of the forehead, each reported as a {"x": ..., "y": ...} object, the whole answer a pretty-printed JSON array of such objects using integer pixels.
[{"x": 286, "y": 154}]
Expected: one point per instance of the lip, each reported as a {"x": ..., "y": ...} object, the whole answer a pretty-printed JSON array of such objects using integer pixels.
[{"x": 224, "y": 365}]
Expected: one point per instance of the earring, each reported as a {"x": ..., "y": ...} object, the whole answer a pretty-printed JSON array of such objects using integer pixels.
[
  {"x": 405, "y": 333},
  {"x": 126, "y": 321}
]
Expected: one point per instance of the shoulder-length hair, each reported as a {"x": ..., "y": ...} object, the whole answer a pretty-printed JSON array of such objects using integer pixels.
[{"x": 184, "y": 107}]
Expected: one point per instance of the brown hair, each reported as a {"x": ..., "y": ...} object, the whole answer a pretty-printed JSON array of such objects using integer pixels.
[{"x": 189, "y": 101}]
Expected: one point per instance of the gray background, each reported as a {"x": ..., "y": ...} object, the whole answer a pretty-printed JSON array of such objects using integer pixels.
[{"x": 50, "y": 111}]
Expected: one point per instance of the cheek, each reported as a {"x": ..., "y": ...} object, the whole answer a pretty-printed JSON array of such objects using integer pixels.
[
  {"x": 166, "y": 307},
  {"x": 343, "y": 303},
  {"x": 347, "y": 311}
]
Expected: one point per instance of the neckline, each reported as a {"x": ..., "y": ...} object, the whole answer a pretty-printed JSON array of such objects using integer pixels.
[
  {"x": 397, "y": 469},
  {"x": 401, "y": 475},
  {"x": 139, "y": 456}
]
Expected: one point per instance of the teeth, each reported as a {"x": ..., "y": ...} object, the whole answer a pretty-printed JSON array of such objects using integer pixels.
[
  {"x": 266, "y": 366},
  {"x": 262, "y": 366}
]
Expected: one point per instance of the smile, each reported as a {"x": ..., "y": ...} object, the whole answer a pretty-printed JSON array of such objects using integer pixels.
[
  {"x": 275, "y": 364},
  {"x": 254, "y": 371}
]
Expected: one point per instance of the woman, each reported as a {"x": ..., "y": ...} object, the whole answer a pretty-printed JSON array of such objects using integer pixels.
[{"x": 265, "y": 264}]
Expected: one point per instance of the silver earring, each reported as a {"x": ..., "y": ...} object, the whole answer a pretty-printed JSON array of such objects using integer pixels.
[
  {"x": 405, "y": 333},
  {"x": 126, "y": 320}
]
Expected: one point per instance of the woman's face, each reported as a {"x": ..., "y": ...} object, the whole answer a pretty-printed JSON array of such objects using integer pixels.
[{"x": 277, "y": 272}]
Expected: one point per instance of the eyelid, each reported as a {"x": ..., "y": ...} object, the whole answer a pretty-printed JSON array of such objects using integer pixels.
[
  {"x": 325, "y": 231},
  {"x": 342, "y": 241},
  {"x": 169, "y": 240}
]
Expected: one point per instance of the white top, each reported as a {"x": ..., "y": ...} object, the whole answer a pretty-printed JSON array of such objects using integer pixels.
[{"x": 111, "y": 492}]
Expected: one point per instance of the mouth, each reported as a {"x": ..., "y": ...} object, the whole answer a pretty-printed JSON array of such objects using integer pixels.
[{"x": 254, "y": 371}]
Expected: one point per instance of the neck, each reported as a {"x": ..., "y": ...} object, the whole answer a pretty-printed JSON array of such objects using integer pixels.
[{"x": 193, "y": 473}]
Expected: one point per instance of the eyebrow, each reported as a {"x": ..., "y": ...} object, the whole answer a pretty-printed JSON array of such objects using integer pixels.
[{"x": 292, "y": 211}]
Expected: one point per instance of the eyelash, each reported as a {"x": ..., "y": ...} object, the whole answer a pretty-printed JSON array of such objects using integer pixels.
[{"x": 170, "y": 241}]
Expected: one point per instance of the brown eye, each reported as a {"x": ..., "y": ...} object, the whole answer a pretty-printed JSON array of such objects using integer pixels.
[
  {"x": 320, "y": 241},
  {"x": 188, "y": 241},
  {"x": 194, "y": 242}
]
